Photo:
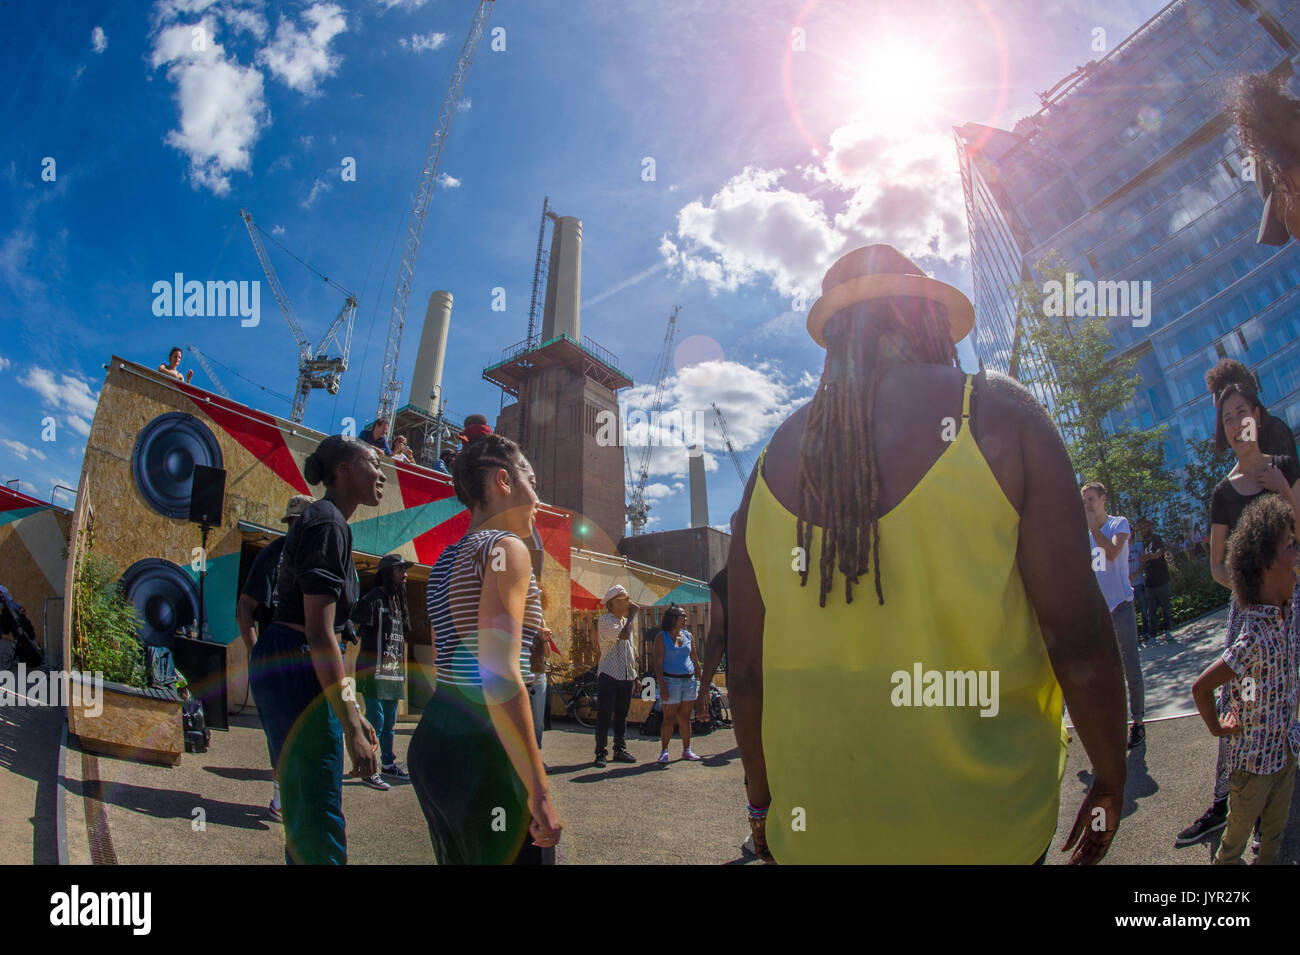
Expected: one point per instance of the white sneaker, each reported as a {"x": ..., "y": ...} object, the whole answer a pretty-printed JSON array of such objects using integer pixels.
[
  {"x": 377, "y": 782},
  {"x": 663, "y": 757}
]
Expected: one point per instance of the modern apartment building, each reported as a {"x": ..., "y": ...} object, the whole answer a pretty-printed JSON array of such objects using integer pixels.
[{"x": 1131, "y": 171}]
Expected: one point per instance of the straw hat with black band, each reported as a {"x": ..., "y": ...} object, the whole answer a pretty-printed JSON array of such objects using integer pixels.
[{"x": 876, "y": 272}]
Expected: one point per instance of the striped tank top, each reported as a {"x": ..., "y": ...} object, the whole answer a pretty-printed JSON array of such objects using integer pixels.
[{"x": 452, "y": 602}]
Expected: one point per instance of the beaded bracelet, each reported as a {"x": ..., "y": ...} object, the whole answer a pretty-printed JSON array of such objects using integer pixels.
[{"x": 756, "y": 813}]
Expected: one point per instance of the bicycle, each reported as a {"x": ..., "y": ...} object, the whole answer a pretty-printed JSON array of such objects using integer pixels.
[{"x": 579, "y": 697}]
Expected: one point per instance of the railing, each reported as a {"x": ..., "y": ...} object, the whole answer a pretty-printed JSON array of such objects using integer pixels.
[{"x": 591, "y": 347}]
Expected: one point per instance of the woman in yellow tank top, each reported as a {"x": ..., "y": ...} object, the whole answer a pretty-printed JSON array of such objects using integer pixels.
[{"x": 916, "y": 716}]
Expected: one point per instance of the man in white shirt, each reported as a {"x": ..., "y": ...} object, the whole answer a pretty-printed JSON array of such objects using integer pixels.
[
  {"x": 616, "y": 673},
  {"x": 1109, "y": 536}
]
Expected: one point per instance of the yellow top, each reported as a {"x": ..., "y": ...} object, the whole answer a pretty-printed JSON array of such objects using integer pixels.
[{"x": 926, "y": 730}]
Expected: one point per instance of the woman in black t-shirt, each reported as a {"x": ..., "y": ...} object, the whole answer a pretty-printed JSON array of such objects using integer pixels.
[
  {"x": 1238, "y": 415},
  {"x": 308, "y": 709}
]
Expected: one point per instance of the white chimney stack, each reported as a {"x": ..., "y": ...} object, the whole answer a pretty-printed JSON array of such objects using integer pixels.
[
  {"x": 699, "y": 495},
  {"x": 564, "y": 281},
  {"x": 433, "y": 348}
]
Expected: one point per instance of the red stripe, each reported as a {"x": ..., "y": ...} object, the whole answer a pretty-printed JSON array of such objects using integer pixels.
[{"x": 255, "y": 431}]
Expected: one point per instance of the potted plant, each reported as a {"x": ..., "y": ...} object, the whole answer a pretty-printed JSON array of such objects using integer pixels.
[{"x": 115, "y": 712}]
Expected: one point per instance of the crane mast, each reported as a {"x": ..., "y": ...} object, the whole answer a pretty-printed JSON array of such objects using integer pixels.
[
  {"x": 203, "y": 363},
  {"x": 315, "y": 370},
  {"x": 391, "y": 385},
  {"x": 638, "y": 508},
  {"x": 726, "y": 436}
]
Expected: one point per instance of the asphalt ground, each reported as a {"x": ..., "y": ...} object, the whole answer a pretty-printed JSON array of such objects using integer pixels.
[{"x": 212, "y": 808}]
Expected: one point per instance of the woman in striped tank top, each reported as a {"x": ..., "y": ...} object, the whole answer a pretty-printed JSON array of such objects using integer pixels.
[{"x": 474, "y": 755}]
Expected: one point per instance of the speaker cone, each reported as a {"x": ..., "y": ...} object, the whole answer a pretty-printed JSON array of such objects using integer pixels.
[
  {"x": 166, "y": 451},
  {"x": 164, "y": 596}
]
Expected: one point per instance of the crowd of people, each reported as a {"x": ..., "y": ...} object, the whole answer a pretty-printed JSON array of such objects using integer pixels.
[{"x": 969, "y": 552}]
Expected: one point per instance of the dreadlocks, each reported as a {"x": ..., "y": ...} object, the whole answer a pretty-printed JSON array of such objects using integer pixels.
[
  {"x": 832, "y": 481},
  {"x": 395, "y": 596}
]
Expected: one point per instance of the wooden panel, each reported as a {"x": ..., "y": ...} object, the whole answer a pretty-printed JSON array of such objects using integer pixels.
[{"x": 130, "y": 727}]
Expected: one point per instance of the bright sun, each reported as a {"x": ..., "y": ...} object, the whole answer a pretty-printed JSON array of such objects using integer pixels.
[{"x": 898, "y": 83}]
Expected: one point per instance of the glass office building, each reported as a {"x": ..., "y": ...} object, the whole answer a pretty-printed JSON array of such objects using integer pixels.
[{"x": 1132, "y": 171}]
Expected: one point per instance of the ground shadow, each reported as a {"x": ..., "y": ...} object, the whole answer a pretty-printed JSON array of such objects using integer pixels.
[
  {"x": 175, "y": 804},
  {"x": 29, "y": 747}
]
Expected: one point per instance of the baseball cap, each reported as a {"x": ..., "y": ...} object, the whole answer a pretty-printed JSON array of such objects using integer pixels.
[
  {"x": 1271, "y": 230},
  {"x": 297, "y": 504}
]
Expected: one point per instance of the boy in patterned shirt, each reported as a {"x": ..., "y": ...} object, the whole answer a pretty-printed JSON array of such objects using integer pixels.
[{"x": 1260, "y": 669}]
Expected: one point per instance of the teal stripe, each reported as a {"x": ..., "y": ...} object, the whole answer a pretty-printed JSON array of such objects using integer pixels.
[
  {"x": 684, "y": 593},
  {"x": 17, "y": 514},
  {"x": 220, "y": 595},
  {"x": 388, "y": 532}
]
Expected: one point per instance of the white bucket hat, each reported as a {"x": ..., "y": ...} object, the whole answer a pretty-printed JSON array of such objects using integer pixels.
[{"x": 618, "y": 590}]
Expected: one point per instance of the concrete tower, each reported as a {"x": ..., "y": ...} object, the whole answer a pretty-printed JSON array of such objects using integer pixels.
[
  {"x": 565, "y": 416},
  {"x": 699, "y": 494},
  {"x": 564, "y": 281},
  {"x": 433, "y": 349}
]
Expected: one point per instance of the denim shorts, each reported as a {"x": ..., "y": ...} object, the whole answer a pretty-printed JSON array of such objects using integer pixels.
[{"x": 680, "y": 689}]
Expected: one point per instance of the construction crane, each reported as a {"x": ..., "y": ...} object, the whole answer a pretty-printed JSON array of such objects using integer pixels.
[
  {"x": 203, "y": 363},
  {"x": 315, "y": 370},
  {"x": 731, "y": 449},
  {"x": 390, "y": 384},
  {"x": 539, "y": 269},
  {"x": 638, "y": 508}
]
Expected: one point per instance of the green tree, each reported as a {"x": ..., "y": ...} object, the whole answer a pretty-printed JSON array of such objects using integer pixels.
[
  {"x": 1206, "y": 467},
  {"x": 1072, "y": 357}
]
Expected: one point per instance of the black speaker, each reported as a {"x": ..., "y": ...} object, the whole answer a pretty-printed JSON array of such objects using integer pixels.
[
  {"x": 164, "y": 597},
  {"x": 207, "y": 495},
  {"x": 204, "y": 665},
  {"x": 166, "y": 452}
]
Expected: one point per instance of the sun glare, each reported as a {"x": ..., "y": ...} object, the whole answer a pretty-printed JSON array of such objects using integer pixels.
[{"x": 899, "y": 84}]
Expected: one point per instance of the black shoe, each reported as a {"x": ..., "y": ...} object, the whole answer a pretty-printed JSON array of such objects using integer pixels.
[
  {"x": 623, "y": 756},
  {"x": 600, "y": 761},
  {"x": 1211, "y": 821},
  {"x": 1136, "y": 735}
]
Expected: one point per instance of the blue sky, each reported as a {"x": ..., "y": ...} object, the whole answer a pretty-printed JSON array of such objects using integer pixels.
[{"x": 758, "y": 185}]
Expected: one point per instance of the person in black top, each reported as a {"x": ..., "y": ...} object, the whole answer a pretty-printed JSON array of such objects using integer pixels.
[
  {"x": 1155, "y": 574},
  {"x": 383, "y": 619},
  {"x": 255, "y": 612},
  {"x": 307, "y": 705},
  {"x": 1238, "y": 414},
  {"x": 1275, "y": 436}
]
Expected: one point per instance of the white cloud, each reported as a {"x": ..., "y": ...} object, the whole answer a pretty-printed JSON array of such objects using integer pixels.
[
  {"x": 22, "y": 450},
  {"x": 4, "y": 363},
  {"x": 15, "y": 270},
  {"x": 317, "y": 187},
  {"x": 301, "y": 58},
  {"x": 419, "y": 42},
  {"x": 658, "y": 491},
  {"x": 78, "y": 424},
  {"x": 753, "y": 227},
  {"x": 448, "y": 182},
  {"x": 900, "y": 188},
  {"x": 98, "y": 40},
  {"x": 754, "y": 401},
  {"x": 277, "y": 230},
  {"x": 464, "y": 105},
  {"x": 407, "y": 5},
  {"x": 221, "y": 103},
  {"x": 67, "y": 393}
]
